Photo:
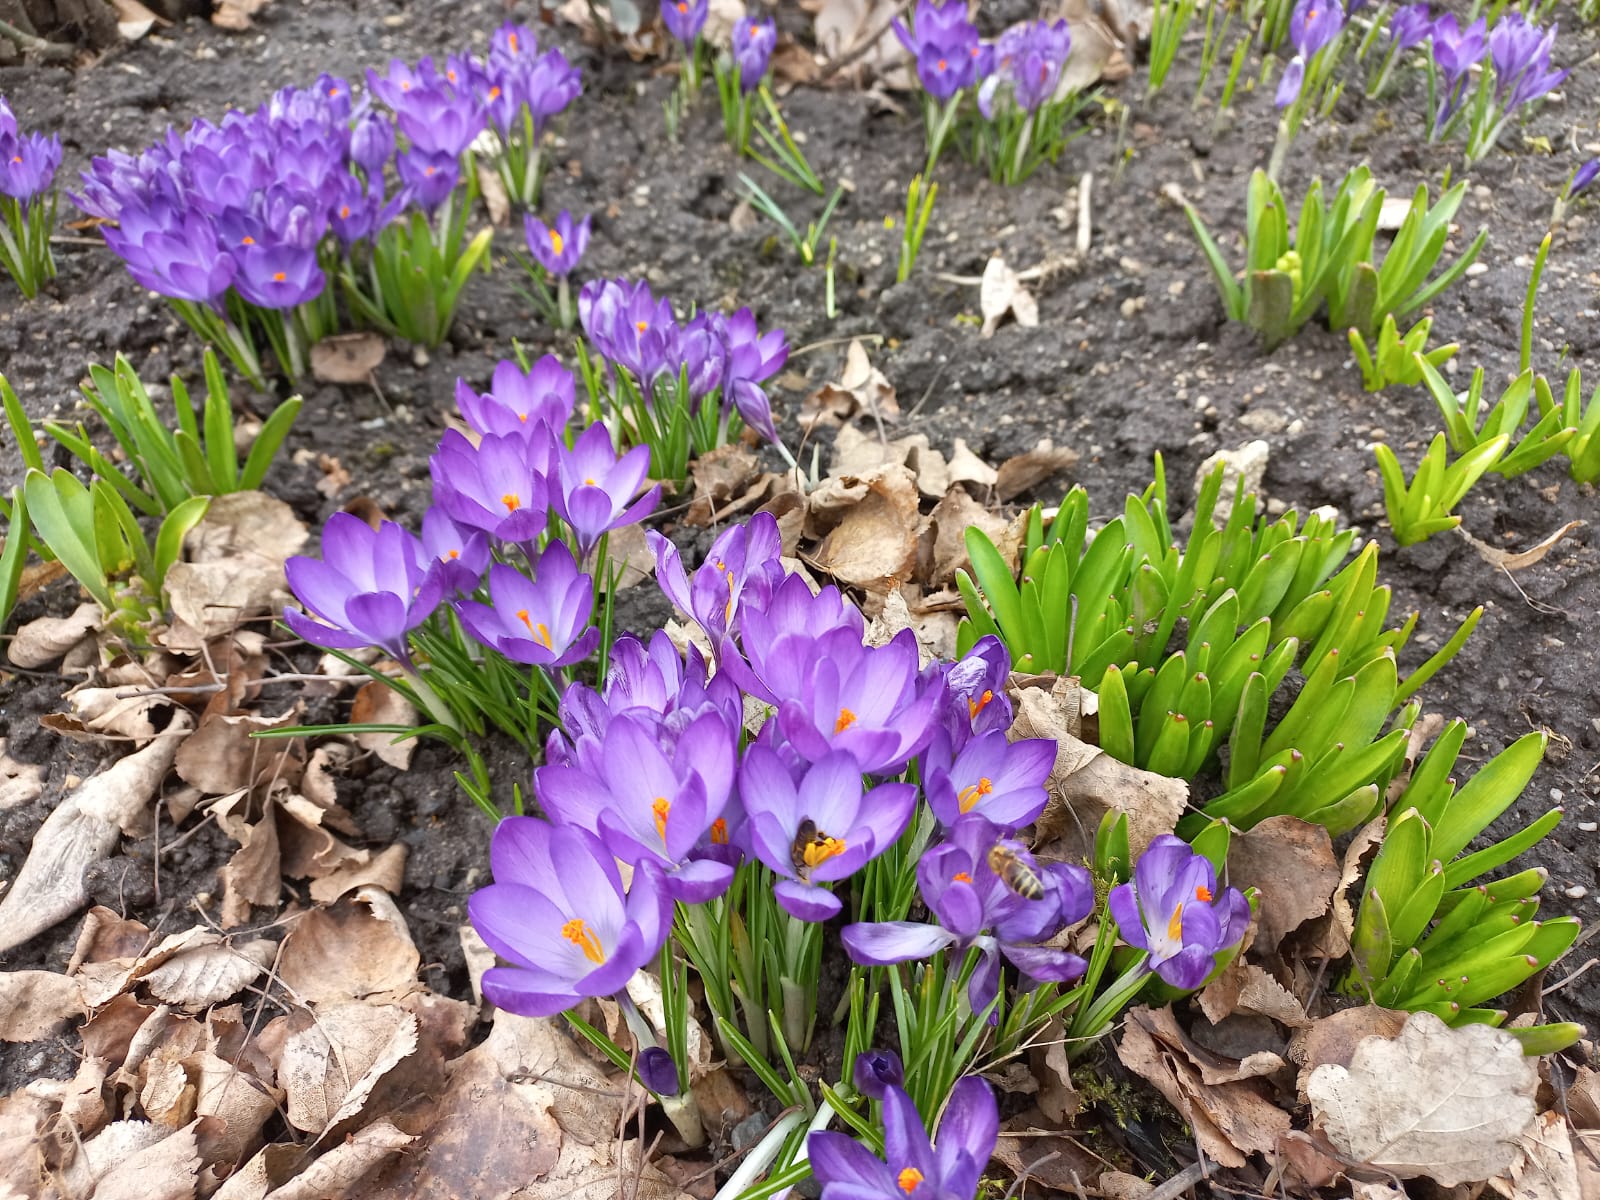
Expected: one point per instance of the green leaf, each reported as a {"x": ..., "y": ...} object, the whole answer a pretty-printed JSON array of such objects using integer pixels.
[
  {"x": 22, "y": 428},
  {"x": 1232, "y": 294},
  {"x": 1486, "y": 795},
  {"x": 169, "y": 540},
  {"x": 63, "y": 512},
  {"x": 1464, "y": 870},
  {"x": 14, "y": 556}
]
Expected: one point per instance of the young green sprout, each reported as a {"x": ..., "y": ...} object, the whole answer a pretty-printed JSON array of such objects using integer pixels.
[
  {"x": 1422, "y": 508},
  {"x": 1396, "y": 360},
  {"x": 919, "y": 209}
]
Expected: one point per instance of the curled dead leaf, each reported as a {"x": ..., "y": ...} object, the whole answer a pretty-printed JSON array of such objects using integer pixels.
[
  {"x": 379, "y": 704},
  {"x": 36, "y": 1004},
  {"x": 45, "y": 639},
  {"x": 1002, "y": 293},
  {"x": 351, "y": 357},
  {"x": 1508, "y": 561},
  {"x": 356, "y": 948},
  {"x": 1290, "y": 862}
]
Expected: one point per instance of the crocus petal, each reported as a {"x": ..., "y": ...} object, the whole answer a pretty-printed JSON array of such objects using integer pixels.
[
  {"x": 837, "y": 1158},
  {"x": 806, "y": 903},
  {"x": 879, "y": 943},
  {"x": 514, "y": 991},
  {"x": 1125, "y": 909},
  {"x": 699, "y": 880},
  {"x": 1044, "y": 964},
  {"x": 1187, "y": 969}
]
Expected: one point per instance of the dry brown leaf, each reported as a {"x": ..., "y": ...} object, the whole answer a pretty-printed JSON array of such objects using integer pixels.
[
  {"x": 1230, "y": 1120},
  {"x": 1334, "y": 1038},
  {"x": 1028, "y": 470},
  {"x": 209, "y": 974},
  {"x": 234, "y": 15},
  {"x": 1450, "y": 1104},
  {"x": 1329, "y": 937},
  {"x": 1246, "y": 989},
  {"x": 20, "y": 783},
  {"x": 386, "y": 870},
  {"x": 1308, "y": 1157},
  {"x": 342, "y": 1167},
  {"x": 252, "y": 877},
  {"x": 1119, "y": 1185},
  {"x": 235, "y": 567},
  {"x": 1508, "y": 561},
  {"x": 1291, "y": 863},
  {"x": 1002, "y": 293},
  {"x": 726, "y": 472},
  {"x": 841, "y": 27},
  {"x": 1086, "y": 783},
  {"x": 109, "y": 713},
  {"x": 45, "y": 639},
  {"x": 224, "y": 756},
  {"x": 1545, "y": 1167},
  {"x": 1057, "y": 1099},
  {"x": 240, "y": 1100},
  {"x": 163, "y": 1171},
  {"x": 167, "y": 1096},
  {"x": 83, "y": 829},
  {"x": 947, "y": 527},
  {"x": 330, "y": 1062},
  {"x": 36, "y": 1004},
  {"x": 874, "y": 545},
  {"x": 134, "y": 20},
  {"x": 967, "y": 467},
  {"x": 379, "y": 704},
  {"x": 351, "y": 357},
  {"x": 358, "y": 947},
  {"x": 861, "y": 387}
]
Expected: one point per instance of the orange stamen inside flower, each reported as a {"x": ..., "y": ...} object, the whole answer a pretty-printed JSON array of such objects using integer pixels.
[
  {"x": 943, "y": 66},
  {"x": 428, "y": 171},
  {"x": 820, "y": 851},
  {"x": 719, "y": 832},
  {"x": 248, "y": 240},
  {"x": 453, "y": 554},
  {"x": 344, "y": 212},
  {"x": 512, "y": 501},
  {"x": 908, "y": 1179},
  {"x": 970, "y": 796},
  {"x": 556, "y": 243},
  {"x": 733, "y": 591},
  {"x": 974, "y": 707},
  {"x": 589, "y": 482},
  {"x": 581, "y": 936},
  {"x": 539, "y": 630},
  {"x": 278, "y": 277},
  {"x": 494, "y": 93},
  {"x": 1175, "y": 925},
  {"x": 512, "y": 42},
  {"x": 683, "y": 6},
  {"x": 961, "y": 877},
  {"x": 846, "y": 719},
  {"x": 659, "y": 810},
  {"x": 641, "y": 326},
  {"x": 1203, "y": 894}
]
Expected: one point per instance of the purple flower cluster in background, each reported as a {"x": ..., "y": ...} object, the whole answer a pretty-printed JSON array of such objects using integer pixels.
[
  {"x": 754, "y": 40},
  {"x": 1028, "y": 57},
  {"x": 726, "y": 359},
  {"x": 28, "y": 162},
  {"x": 946, "y": 47},
  {"x": 1313, "y": 26}
]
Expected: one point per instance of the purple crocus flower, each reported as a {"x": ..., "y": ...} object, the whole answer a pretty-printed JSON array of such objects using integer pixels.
[
  {"x": 1584, "y": 176},
  {"x": 278, "y": 275},
  {"x": 8, "y": 121},
  {"x": 1455, "y": 52},
  {"x": 685, "y": 19},
  {"x": 754, "y": 39},
  {"x": 651, "y": 798},
  {"x": 458, "y": 556},
  {"x": 819, "y": 829},
  {"x": 1029, "y": 57},
  {"x": 1294, "y": 78},
  {"x": 629, "y": 326},
  {"x": 1009, "y": 913},
  {"x": 393, "y": 88},
  {"x": 876, "y": 1071},
  {"x": 868, "y": 700},
  {"x": 592, "y": 488},
  {"x": 974, "y": 699},
  {"x": 937, "y": 23},
  {"x": 558, "y": 913},
  {"x": 781, "y": 637},
  {"x": 521, "y": 402},
  {"x": 513, "y": 42},
  {"x": 28, "y": 165},
  {"x": 557, "y": 247},
  {"x": 371, "y": 587},
  {"x": 657, "y": 1071},
  {"x": 999, "y": 780},
  {"x": 440, "y": 120},
  {"x": 431, "y": 177},
  {"x": 177, "y": 256},
  {"x": 551, "y": 84},
  {"x": 753, "y": 358},
  {"x": 499, "y": 486},
  {"x": 1173, "y": 909},
  {"x": 1410, "y": 26},
  {"x": 372, "y": 143},
  {"x": 1313, "y": 24},
  {"x": 949, "y": 1167},
  {"x": 1520, "y": 52},
  {"x": 742, "y": 567},
  {"x": 543, "y": 622}
]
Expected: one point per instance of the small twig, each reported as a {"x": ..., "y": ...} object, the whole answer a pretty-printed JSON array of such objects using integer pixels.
[
  {"x": 863, "y": 46},
  {"x": 36, "y": 46},
  {"x": 1085, "y": 188},
  {"x": 1559, "y": 984},
  {"x": 1179, "y": 1183}
]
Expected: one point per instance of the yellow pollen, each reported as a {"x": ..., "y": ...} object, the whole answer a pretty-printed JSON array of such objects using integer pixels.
[
  {"x": 512, "y": 42},
  {"x": 453, "y": 554},
  {"x": 428, "y": 172},
  {"x": 511, "y": 501},
  {"x": 16, "y": 158},
  {"x": 248, "y": 241},
  {"x": 589, "y": 482},
  {"x": 908, "y": 1179},
  {"x": 943, "y": 66},
  {"x": 1175, "y": 926},
  {"x": 344, "y": 211},
  {"x": 539, "y": 630},
  {"x": 974, "y": 707},
  {"x": 970, "y": 796},
  {"x": 333, "y": 93},
  {"x": 494, "y": 93},
  {"x": 278, "y": 277},
  {"x": 683, "y": 6},
  {"x": 1203, "y": 894},
  {"x": 733, "y": 591},
  {"x": 523, "y": 417},
  {"x": 641, "y": 326},
  {"x": 659, "y": 810},
  {"x": 556, "y": 242},
  {"x": 820, "y": 851},
  {"x": 581, "y": 936},
  {"x": 846, "y": 719},
  {"x": 719, "y": 832},
  {"x": 405, "y": 85},
  {"x": 961, "y": 877}
]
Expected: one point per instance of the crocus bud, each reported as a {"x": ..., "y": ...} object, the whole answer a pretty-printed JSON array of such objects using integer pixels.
[
  {"x": 876, "y": 1071},
  {"x": 658, "y": 1072}
]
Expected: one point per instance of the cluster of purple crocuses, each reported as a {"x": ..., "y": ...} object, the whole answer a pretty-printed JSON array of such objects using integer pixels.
[
  {"x": 725, "y": 359},
  {"x": 242, "y": 222},
  {"x": 498, "y": 495},
  {"x": 28, "y": 165},
  {"x": 1015, "y": 79},
  {"x": 653, "y": 769}
]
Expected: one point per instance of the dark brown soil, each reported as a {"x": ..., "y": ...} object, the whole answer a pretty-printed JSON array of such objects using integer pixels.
[{"x": 1131, "y": 356}]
